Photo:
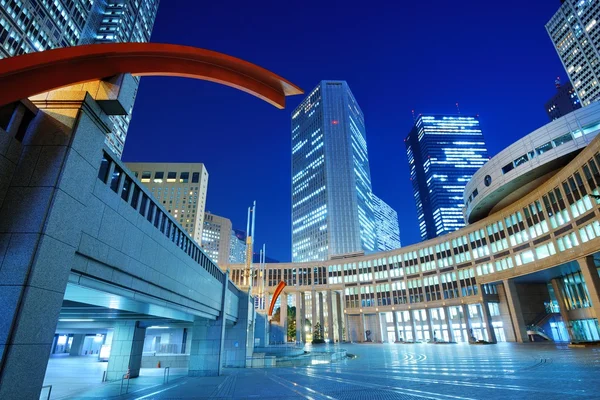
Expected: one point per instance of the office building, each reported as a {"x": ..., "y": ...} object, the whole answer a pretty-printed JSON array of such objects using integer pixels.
[
  {"x": 223, "y": 244},
  {"x": 574, "y": 33},
  {"x": 387, "y": 227},
  {"x": 237, "y": 247},
  {"x": 332, "y": 212},
  {"x": 28, "y": 25},
  {"x": 180, "y": 188},
  {"x": 443, "y": 151},
  {"x": 563, "y": 102}
]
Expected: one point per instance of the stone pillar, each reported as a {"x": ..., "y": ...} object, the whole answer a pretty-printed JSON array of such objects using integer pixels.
[
  {"x": 77, "y": 345},
  {"x": 321, "y": 315},
  {"x": 340, "y": 315},
  {"x": 432, "y": 334},
  {"x": 330, "y": 333},
  {"x": 362, "y": 327},
  {"x": 313, "y": 316},
  {"x": 467, "y": 317},
  {"x": 126, "y": 350},
  {"x": 592, "y": 282},
  {"x": 562, "y": 306},
  {"x": 396, "y": 332},
  {"x": 413, "y": 324},
  {"x": 449, "y": 324},
  {"x": 348, "y": 328},
  {"x": 238, "y": 340},
  {"x": 487, "y": 318},
  {"x": 299, "y": 311},
  {"x": 516, "y": 314},
  {"x": 283, "y": 315},
  {"x": 208, "y": 340},
  {"x": 303, "y": 301},
  {"x": 42, "y": 214},
  {"x": 401, "y": 321}
]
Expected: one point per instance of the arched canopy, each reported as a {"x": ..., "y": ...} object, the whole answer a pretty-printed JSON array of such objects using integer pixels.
[{"x": 30, "y": 74}]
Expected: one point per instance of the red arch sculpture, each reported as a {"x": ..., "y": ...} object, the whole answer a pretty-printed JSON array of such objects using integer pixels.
[
  {"x": 278, "y": 291},
  {"x": 30, "y": 74}
]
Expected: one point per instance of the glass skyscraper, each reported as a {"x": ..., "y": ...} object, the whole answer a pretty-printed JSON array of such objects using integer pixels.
[
  {"x": 444, "y": 151},
  {"x": 575, "y": 33},
  {"x": 387, "y": 227},
  {"x": 332, "y": 210},
  {"x": 36, "y": 25}
]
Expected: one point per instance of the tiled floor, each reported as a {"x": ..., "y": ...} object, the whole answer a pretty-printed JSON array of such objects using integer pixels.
[{"x": 416, "y": 371}]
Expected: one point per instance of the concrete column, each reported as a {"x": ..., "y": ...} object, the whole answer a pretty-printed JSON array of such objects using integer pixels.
[
  {"x": 126, "y": 350},
  {"x": 516, "y": 313},
  {"x": 562, "y": 305},
  {"x": 449, "y": 324},
  {"x": 467, "y": 317},
  {"x": 413, "y": 324},
  {"x": 299, "y": 317},
  {"x": 432, "y": 334},
  {"x": 239, "y": 338},
  {"x": 348, "y": 328},
  {"x": 321, "y": 314},
  {"x": 77, "y": 345},
  {"x": 208, "y": 340},
  {"x": 340, "y": 315},
  {"x": 487, "y": 318},
  {"x": 303, "y": 301},
  {"x": 330, "y": 334},
  {"x": 313, "y": 316},
  {"x": 401, "y": 321},
  {"x": 42, "y": 213},
  {"x": 362, "y": 327},
  {"x": 283, "y": 315},
  {"x": 592, "y": 282},
  {"x": 396, "y": 332}
]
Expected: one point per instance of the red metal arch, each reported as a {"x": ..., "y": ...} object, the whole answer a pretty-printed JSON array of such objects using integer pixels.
[
  {"x": 278, "y": 291},
  {"x": 30, "y": 74}
]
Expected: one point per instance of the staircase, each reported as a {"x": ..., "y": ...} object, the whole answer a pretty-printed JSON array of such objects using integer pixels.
[{"x": 534, "y": 329}]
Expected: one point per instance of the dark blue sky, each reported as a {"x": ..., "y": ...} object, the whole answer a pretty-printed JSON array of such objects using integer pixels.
[{"x": 494, "y": 58}]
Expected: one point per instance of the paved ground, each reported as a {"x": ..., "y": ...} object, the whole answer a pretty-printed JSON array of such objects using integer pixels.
[{"x": 417, "y": 371}]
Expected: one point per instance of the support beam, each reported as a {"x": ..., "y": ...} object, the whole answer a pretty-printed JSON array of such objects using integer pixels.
[
  {"x": 283, "y": 315},
  {"x": 487, "y": 318},
  {"x": 340, "y": 316},
  {"x": 77, "y": 344},
  {"x": 299, "y": 319},
  {"x": 557, "y": 285},
  {"x": 396, "y": 332},
  {"x": 330, "y": 333},
  {"x": 592, "y": 282},
  {"x": 126, "y": 350},
  {"x": 467, "y": 318},
  {"x": 449, "y": 324},
  {"x": 516, "y": 313}
]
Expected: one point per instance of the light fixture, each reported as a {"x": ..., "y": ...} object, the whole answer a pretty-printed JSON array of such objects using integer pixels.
[{"x": 74, "y": 320}]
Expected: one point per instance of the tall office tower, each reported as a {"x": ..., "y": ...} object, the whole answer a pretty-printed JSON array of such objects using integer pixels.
[
  {"x": 563, "y": 102},
  {"x": 574, "y": 30},
  {"x": 216, "y": 238},
  {"x": 32, "y": 25},
  {"x": 386, "y": 223},
  {"x": 237, "y": 247},
  {"x": 332, "y": 210},
  {"x": 444, "y": 151},
  {"x": 181, "y": 187}
]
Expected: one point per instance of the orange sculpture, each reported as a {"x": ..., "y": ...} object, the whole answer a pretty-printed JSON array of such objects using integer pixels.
[
  {"x": 30, "y": 74},
  {"x": 278, "y": 291}
]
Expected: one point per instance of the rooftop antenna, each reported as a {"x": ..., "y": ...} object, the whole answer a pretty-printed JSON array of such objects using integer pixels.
[
  {"x": 557, "y": 82},
  {"x": 413, "y": 114},
  {"x": 458, "y": 108},
  {"x": 249, "y": 245}
]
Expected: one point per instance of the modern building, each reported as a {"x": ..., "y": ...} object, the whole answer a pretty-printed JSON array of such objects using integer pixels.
[
  {"x": 574, "y": 33},
  {"x": 387, "y": 227},
  {"x": 180, "y": 188},
  {"x": 444, "y": 151},
  {"x": 332, "y": 210},
  {"x": 525, "y": 268},
  {"x": 237, "y": 247},
  {"x": 563, "y": 102},
  {"x": 27, "y": 26}
]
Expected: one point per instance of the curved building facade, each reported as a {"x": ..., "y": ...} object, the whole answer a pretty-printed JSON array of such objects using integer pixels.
[{"x": 526, "y": 271}]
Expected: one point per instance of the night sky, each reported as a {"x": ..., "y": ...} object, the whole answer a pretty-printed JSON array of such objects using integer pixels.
[{"x": 494, "y": 58}]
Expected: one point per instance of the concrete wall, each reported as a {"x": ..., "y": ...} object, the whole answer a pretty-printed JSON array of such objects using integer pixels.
[{"x": 532, "y": 297}]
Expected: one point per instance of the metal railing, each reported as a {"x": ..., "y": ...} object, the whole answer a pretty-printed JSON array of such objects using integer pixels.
[
  {"x": 166, "y": 375},
  {"x": 49, "y": 390},
  {"x": 125, "y": 376}
]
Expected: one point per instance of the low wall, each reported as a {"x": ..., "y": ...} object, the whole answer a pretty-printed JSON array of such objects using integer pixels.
[{"x": 166, "y": 360}]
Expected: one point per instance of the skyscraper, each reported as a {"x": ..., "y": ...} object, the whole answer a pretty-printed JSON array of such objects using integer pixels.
[
  {"x": 29, "y": 25},
  {"x": 332, "y": 210},
  {"x": 563, "y": 102},
  {"x": 181, "y": 187},
  {"x": 237, "y": 248},
  {"x": 386, "y": 223},
  {"x": 221, "y": 242},
  {"x": 444, "y": 151},
  {"x": 574, "y": 32}
]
